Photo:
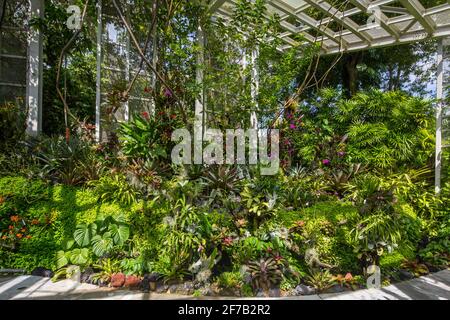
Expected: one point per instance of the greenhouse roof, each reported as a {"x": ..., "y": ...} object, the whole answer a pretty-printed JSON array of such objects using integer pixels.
[{"x": 386, "y": 22}]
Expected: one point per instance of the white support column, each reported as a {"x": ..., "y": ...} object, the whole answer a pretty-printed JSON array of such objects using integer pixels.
[
  {"x": 254, "y": 88},
  {"x": 439, "y": 105},
  {"x": 127, "y": 79},
  {"x": 34, "y": 72},
  {"x": 98, "y": 97},
  {"x": 154, "y": 58},
  {"x": 199, "y": 101},
  {"x": 127, "y": 64}
]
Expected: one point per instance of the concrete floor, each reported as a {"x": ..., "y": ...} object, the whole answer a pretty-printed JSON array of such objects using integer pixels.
[{"x": 432, "y": 287}]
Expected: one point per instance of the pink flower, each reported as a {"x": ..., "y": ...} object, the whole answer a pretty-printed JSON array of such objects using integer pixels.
[
  {"x": 292, "y": 126},
  {"x": 341, "y": 154},
  {"x": 167, "y": 93},
  {"x": 348, "y": 277},
  {"x": 228, "y": 241},
  {"x": 326, "y": 162}
]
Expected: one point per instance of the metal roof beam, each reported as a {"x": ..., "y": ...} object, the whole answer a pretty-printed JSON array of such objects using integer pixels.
[
  {"x": 416, "y": 9},
  {"x": 305, "y": 19},
  {"x": 395, "y": 10},
  {"x": 339, "y": 17},
  {"x": 409, "y": 37},
  {"x": 365, "y": 5}
]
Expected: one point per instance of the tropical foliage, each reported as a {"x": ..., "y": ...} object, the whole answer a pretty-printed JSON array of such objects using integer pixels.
[{"x": 354, "y": 187}]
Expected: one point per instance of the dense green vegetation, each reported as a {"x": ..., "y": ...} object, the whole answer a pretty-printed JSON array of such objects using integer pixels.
[
  {"x": 86, "y": 204},
  {"x": 355, "y": 186}
]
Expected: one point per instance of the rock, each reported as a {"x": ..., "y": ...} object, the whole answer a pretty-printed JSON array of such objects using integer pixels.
[
  {"x": 405, "y": 275},
  {"x": 173, "y": 288},
  {"x": 150, "y": 281},
  {"x": 292, "y": 293},
  {"x": 302, "y": 290},
  {"x": 154, "y": 277},
  {"x": 162, "y": 288},
  {"x": 102, "y": 283},
  {"x": 228, "y": 292},
  {"x": 42, "y": 272},
  {"x": 210, "y": 290},
  {"x": 117, "y": 280},
  {"x": 336, "y": 289},
  {"x": 74, "y": 273},
  {"x": 186, "y": 288},
  {"x": 206, "y": 291},
  {"x": 203, "y": 275},
  {"x": 260, "y": 293},
  {"x": 215, "y": 289},
  {"x": 145, "y": 285},
  {"x": 86, "y": 275},
  {"x": 275, "y": 292},
  {"x": 132, "y": 282},
  {"x": 197, "y": 285}
]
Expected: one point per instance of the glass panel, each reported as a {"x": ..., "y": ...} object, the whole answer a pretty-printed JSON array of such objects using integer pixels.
[
  {"x": 10, "y": 93},
  {"x": 12, "y": 70}
]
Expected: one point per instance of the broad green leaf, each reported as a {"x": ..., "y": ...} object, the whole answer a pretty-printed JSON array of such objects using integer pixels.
[
  {"x": 61, "y": 259},
  {"x": 84, "y": 234},
  {"x": 79, "y": 256},
  {"x": 119, "y": 233},
  {"x": 102, "y": 244},
  {"x": 68, "y": 244}
]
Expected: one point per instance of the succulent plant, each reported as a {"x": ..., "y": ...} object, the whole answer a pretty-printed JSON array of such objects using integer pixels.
[
  {"x": 320, "y": 280},
  {"x": 223, "y": 178},
  {"x": 265, "y": 273}
]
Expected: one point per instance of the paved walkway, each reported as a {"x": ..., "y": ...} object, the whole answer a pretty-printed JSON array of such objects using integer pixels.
[{"x": 432, "y": 287}]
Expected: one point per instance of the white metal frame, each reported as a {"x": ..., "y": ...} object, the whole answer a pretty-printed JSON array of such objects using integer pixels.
[
  {"x": 98, "y": 93},
  {"x": 199, "y": 122},
  {"x": 34, "y": 72},
  {"x": 439, "y": 115},
  {"x": 409, "y": 22},
  {"x": 412, "y": 23}
]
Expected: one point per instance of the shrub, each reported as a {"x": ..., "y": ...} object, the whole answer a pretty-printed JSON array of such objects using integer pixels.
[
  {"x": 57, "y": 211},
  {"x": 326, "y": 227},
  {"x": 12, "y": 125},
  {"x": 230, "y": 280},
  {"x": 387, "y": 129},
  {"x": 69, "y": 162},
  {"x": 146, "y": 137},
  {"x": 115, "y": 189},
  {"x": 265, "y": 273}
]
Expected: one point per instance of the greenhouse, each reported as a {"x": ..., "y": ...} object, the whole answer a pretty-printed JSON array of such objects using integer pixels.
[{"x": 226, "y": 148}]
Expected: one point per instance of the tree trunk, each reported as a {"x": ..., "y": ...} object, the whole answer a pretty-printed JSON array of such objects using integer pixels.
[
  {"x": 391, "y": 79},
  {"x": 350, "y": 73},
  {"x": 397, "y": 84}
]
